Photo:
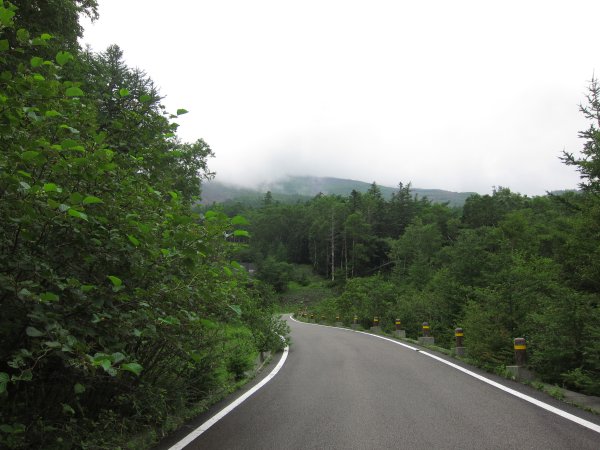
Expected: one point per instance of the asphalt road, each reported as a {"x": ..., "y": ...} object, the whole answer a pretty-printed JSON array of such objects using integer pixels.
[{"x": 343, "y": 390}]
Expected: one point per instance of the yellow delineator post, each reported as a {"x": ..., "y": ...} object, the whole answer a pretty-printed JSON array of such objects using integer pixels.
[
  {"x": 459, "y": 335},
  {"x": 426, "y": 329},
  {"x": 376, "y": 328},
  {"x": 399, "y": 332},
  {"x": 520, "y": 346},
  {"x": 426, "y": 338},
  {"x": 355, "y": 322},
  {"x": 519, "y": 371}
]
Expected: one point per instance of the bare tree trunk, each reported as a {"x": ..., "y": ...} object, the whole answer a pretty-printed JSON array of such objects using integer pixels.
[
  {"x": 346, "y": 254},
  {"x": 332, "y": 248}
]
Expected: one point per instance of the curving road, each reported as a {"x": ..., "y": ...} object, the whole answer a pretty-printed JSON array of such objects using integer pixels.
[{"x": 344, "y": 390}]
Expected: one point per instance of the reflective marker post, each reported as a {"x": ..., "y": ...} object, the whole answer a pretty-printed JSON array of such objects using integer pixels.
[
  {"x": 376, "y": 328},
  {"x": 338, "y": 323},
  {"x": 519, "y": 371},
  {"x": 399, "y": 332},
  {"x": 355, "y": 323},
  {"x": 520, "y": 351},
  {"x": 459, "y": 335},
  {"x": 426, "y": 329},
  {"x": 426, "y": 338}
]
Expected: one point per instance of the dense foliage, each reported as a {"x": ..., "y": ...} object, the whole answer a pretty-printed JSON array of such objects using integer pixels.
[
  {"x": 503, "y": 266},
  {"x": 121, "y": 306}
]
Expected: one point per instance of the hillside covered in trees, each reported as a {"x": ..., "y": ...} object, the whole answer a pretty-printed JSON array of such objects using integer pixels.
[
  {"x": 291, "y": 189},
  {"x": 123, "y": 311}
]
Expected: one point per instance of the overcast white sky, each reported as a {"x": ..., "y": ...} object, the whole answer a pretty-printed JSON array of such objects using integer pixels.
[{"x": 449, "y": 94}]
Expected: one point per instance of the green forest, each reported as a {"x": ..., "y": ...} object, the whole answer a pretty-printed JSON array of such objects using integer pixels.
[{"x": 127, "y": 307}]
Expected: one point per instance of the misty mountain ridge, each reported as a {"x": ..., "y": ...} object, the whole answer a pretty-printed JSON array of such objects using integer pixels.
[{"x": 291, "y": 189}]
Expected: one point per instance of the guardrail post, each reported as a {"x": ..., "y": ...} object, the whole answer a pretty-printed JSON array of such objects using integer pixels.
[
  {"x": 376, "y": 328},
  {"x": 519, "y": 371},
  {"x": 355, "y": 322},
  {"x": 459, "y": 335},
  {"x": 426, "y": 338},
  {"x": 312, "y": 318},
  {"x": 399, "y": 331},
  {"x": 338, "y": 322}
]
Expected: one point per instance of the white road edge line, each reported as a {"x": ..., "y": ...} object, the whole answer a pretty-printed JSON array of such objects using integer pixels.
[
  {"x": 214, "y": 419},
  {"x": 586, "y": 423}
]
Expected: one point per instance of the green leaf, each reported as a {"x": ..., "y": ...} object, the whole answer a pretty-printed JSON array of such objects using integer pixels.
[
  {"x": 29, "y": 155},
  {"x": 116, "y": 281},
  {"x": 6, "y": 16},
  {"x": 52, "y": 113},
  {"x": 64, "y": 126},
  {"x": 169, "y": 320},
  {"x": 117, "y": 357},
  {"x": 4, "y": 45},
  {"x": 51, "y": 187},
  {"x": 23, "y": 35},
  {"x": 67, "y": 409},
  {"x": 123, "y": 92},
  {"x": 33, "y": 332},
  {"x": 90, "y": 200},
  {"x": 49, "y": 297},
  {"x": 74, "y": 91},
  {"x": 237, "y": 309},
  {"x": 24, "y": 185},
  {"x": 145, "y": 98},
  {"x": 181, "y": 111},
  {"x": 74, "y": 213},
  {"x": 133, "y": 240},
  {"x": 173, "y": 195},
  {"x": 36, "y": 61},
  {"x": 132, "y": 367},
  {"x": 53, "y": 344},
  {"x": 75, "y": 197},
  {"x": 241, "y": 233},
  {"x": 63, "y": 57},
  {"x": 79, "y": 388},
  {"x": 45, "y": 37},
  {"x": 38, "y": 77}
]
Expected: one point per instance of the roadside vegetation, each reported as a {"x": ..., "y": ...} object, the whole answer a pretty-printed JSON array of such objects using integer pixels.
[{"x": 123, "y": 310}]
